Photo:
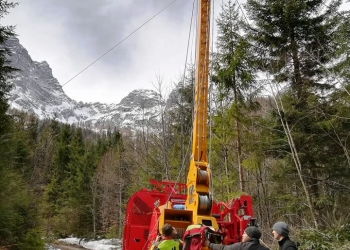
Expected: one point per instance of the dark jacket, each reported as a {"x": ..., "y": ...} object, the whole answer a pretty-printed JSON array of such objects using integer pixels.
[
  {"x": 287, "y": 244},
  {"x": 252, "y": 244}
]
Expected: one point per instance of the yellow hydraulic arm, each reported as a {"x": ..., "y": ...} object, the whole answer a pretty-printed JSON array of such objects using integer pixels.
[{"x": 198, "y": 179}]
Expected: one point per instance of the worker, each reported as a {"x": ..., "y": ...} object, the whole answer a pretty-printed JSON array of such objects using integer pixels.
[
  {"x": 177, "y": 238},
  {"x": 250, "y": 240},
  {"x": 166, "y": 241},
  {"x": 280, "y": 231}
]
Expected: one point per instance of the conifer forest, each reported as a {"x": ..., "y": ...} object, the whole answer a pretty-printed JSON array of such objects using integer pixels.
[{"x": 279, "y": 131}]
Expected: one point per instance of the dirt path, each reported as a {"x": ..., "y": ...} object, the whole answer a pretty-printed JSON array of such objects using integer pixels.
[{"x": 67, "y": 247}]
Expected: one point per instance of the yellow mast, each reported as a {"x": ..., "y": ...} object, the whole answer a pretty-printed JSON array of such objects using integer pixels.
[{"x": 198, "y": 179}]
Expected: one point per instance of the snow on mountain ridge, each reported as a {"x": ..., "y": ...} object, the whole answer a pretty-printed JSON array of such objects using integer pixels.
[{"x": 36, "y": 91}]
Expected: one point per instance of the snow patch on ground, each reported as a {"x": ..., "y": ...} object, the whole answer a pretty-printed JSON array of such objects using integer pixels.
[{"x": 110, "y": 244}]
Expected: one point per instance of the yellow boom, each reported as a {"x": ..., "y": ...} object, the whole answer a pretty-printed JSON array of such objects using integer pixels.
[{"x": 198, "y": 179}]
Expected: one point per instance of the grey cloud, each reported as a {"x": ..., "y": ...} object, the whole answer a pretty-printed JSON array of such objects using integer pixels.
[
  {"x": 96, "y": 26},
  {"x": 74, "y": 33}
]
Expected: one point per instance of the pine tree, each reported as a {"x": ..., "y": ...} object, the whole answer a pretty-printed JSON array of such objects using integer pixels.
[
  {"x": 17, "y": 216},
  {"x": 296, "y": 43},
  {"x": 234, "y": 76},
  {"x": 6, "y": 73},
  {"x": 342, "y": 37},
  {"x": 55, "y": 194},
  {"x": 294, "y": 40}
]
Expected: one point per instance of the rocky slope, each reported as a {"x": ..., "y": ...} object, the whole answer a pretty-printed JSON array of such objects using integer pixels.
[{"x": 37, "y": 91}]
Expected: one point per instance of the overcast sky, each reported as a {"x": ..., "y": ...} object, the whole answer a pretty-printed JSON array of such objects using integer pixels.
[{"x": 71, "y": 34}]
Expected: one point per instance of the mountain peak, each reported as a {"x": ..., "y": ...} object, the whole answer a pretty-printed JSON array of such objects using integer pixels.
[{"x": 36, "y": 90}]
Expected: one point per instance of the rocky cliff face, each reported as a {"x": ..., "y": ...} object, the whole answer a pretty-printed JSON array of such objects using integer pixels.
[{"x": 35, "y": 90}]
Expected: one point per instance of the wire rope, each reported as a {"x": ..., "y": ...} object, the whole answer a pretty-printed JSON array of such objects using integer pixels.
[
  {"x": 210, "y": 102},
  {"x": 80, "y": 72},
  {"x": 183, "y": 160}
]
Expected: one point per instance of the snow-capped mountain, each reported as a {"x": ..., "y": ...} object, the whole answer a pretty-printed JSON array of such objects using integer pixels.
[{"x": 35, "y": 90}]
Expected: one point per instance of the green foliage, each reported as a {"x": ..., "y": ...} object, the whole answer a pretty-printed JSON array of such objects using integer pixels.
[
  {"x": 32, "y": 241},
  {"x": 13, "y": 201},
  {"x": 329, "y": 239},
  {"x": 6, "y": 71},
  {"x": 342, "y": 35},
  {"x": 17, "y": 213},
  {"x": 112, "y": 233},
  {"x": 295, "y": 41},
  {"x": 253, "y": 162},
  {"x": 233, "y": 64}
]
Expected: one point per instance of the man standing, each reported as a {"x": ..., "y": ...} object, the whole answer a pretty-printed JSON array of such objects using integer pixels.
[
  {"x": 250, "y": 241},
  {"x": 166, "y": 242},
  {"x": 280, "y": 231}
]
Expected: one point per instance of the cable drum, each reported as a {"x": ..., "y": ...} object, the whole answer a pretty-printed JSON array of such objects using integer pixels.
[
  {"x": 202, "y": 177},
  {"x": 204, "y": 206}
]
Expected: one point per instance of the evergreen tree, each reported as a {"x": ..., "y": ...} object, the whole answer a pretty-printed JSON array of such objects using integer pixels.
[
  {"x": 296, "y": 43},
  {"x": 234, "y": 76},
  {"x": 342, "y": 37},
  {"x": 6, "y": 73},
  {"x": 55, "y": 194},
  {"x": 17, "y": 215}
]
